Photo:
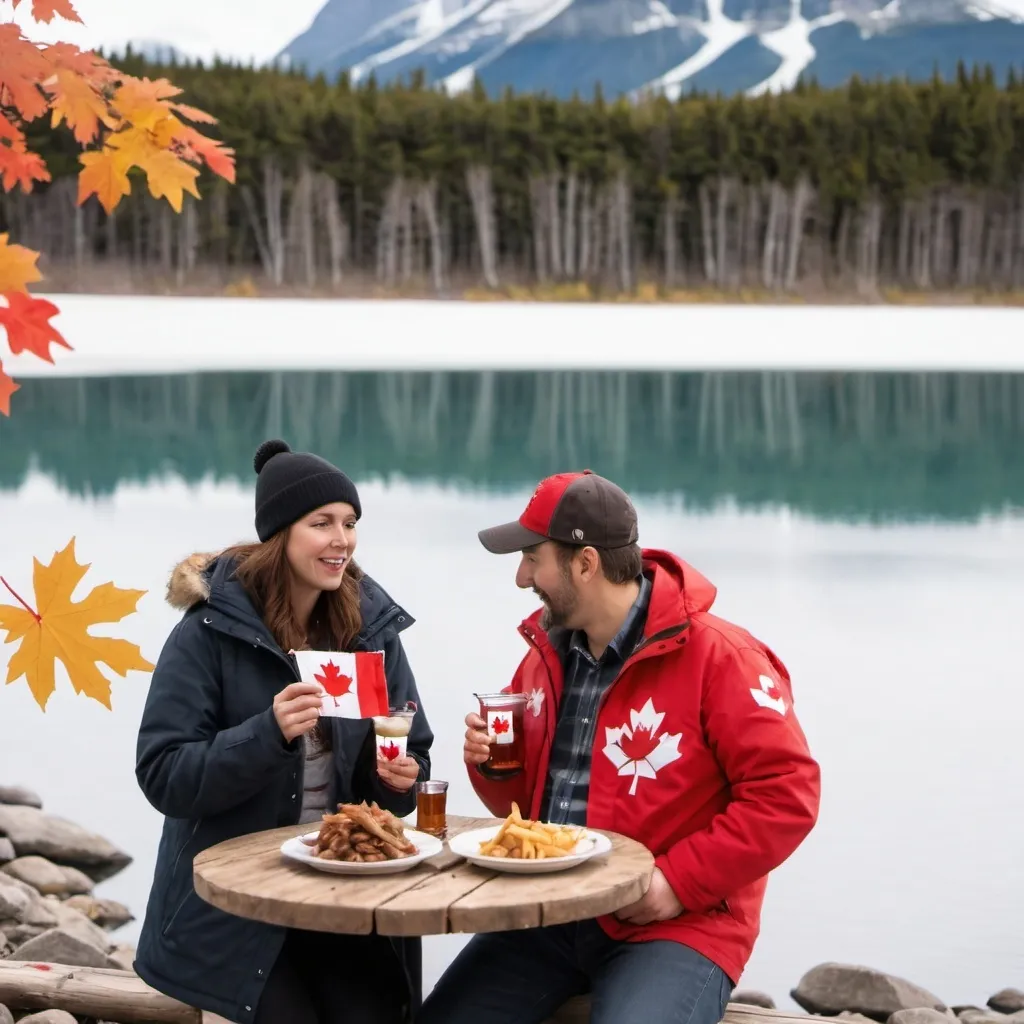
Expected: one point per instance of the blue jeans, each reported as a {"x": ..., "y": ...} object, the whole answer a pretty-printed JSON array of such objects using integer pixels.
[{"x": 522, "y": 977}]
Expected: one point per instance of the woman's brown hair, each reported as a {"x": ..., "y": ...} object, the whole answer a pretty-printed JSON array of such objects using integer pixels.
[{"x": 263, "y": 571}]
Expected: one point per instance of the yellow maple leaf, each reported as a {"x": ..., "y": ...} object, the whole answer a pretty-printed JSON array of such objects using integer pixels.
[
  {"x": 105, "y": 174},
  {"x": 59, "y": 631},
  {"x": 166, "y": 173},
  {"x": 76, "y": 101},
  {"x": 17, "y": 266}
]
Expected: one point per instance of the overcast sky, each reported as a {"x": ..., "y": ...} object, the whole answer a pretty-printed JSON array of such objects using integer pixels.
[{"x": 241, "y": 29}]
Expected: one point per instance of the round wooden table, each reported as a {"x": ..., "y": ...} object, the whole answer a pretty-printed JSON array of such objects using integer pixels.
[{"x": 248, "y": 877}]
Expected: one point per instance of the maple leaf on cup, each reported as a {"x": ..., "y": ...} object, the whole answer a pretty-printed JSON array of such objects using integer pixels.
[
  {"x": 332, "y": 680},
  {"x": 636, "y": 749},
  {"x": 500, "y": 726},
  {"x": 390, "y": 751}
]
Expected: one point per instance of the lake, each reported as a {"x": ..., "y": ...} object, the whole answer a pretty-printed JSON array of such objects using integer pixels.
[{"x": 869, "y": 526}]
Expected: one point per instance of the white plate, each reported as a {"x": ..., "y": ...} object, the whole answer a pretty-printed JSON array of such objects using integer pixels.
[
  {"x": 426, "y": 846},
  {"x": 467, "y": 844}
]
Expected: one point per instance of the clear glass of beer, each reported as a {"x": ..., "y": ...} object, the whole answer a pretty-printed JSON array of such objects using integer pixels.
[
  {"x": 503, "y": 713},
  {"x": 431, "y": 804},
  {"x": 392, "y": 733}
]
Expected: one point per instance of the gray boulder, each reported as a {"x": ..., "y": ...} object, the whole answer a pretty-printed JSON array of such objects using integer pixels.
[
  {"x": 61, "y": 946},
  {"x": 63, "y": 842},
  {"x": 751, "y": 997},
  {"x": 49, "y": 1017},
  {"x": 1008, "y": 1000},
  {"x": 830, "y": 988},
  {"x": 21, "y": 796}
]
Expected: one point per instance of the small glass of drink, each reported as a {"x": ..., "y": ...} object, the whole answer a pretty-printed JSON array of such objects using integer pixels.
[
  {"x": 503, "y": 713},
  {"x": 392, "y": 733},
  {"x": 431, "y": 801}
]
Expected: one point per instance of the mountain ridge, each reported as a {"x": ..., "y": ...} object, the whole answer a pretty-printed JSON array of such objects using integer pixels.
[{"x": 634, "y": 47}]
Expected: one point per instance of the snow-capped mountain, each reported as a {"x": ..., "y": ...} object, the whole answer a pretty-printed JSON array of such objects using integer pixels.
[{"x": 562, "y": 46}]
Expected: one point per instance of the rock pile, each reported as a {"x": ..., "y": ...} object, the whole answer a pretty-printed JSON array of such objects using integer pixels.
[{"x": 48, "y": 869}]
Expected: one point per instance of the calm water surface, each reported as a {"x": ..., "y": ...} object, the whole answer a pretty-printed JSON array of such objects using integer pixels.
[{"x": 869, "y": 527}]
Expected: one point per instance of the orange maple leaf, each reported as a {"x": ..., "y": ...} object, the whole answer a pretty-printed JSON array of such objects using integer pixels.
[
  {"x": 82, "y": 62},
  {"x": 143, "y": 102},
  {"x": 46, "y": 10},
  {"x": 17, "y": 266},
  {"x": 75, "y": 100},
  {"x": 18, "y": 166},
  {"x": 167, "y": 175},
  {"x": 59, "y": 631},
  {"x": 23, "y": 66},
  {"x": 7, "y": 388},
  {"x": 27, "y": 319},
  {"x": 105, "y": 175}
]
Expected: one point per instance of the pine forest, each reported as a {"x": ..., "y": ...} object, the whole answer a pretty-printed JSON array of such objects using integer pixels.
[{"x": 875, "y": 187}]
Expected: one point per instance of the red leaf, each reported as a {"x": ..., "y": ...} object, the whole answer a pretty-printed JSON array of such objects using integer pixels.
[
  {"x": 17, "y": 165},
  {"x": 336, "y": 684},
  {"x": 46, "y": 10},
  {"x": 7, "y": 388},
  {"x": 23, "y": 66},
  {"x": 390, "y": 750},
  {"x": 500, "y": 726},
  {"x": 28, "y": 328},
  {"x": 640, "y": 745}
]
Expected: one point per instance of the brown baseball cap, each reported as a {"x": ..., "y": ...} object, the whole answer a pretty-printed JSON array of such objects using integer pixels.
[{"x": 573, "y": 508}]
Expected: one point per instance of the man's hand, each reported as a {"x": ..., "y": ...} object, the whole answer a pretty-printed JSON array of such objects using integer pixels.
[
  {"x": 659, "y": 903},
  {"x": 477, "y": 747},
  {"x": 400, "y": 774}
]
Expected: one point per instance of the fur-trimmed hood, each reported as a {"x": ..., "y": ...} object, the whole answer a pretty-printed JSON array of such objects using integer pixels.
[{"x": 189, "y": 583}]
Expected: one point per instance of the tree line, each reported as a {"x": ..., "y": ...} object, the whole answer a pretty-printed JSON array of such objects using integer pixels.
[
  {"x": 877, "y": 184},
  {"x": 851, "y": 446}
]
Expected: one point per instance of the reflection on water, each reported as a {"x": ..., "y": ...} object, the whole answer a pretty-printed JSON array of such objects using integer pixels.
[{"x": 836, "y": 445}]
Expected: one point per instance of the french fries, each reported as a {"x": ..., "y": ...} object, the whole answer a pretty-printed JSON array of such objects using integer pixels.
[{"x": 519, "y": 837}]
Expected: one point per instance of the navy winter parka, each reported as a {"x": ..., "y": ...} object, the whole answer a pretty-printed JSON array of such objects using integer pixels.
[{"x": 211, "y": 758}]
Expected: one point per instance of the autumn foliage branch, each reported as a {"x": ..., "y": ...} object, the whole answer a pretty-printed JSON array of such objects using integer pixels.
[{"x": 121, "y": 123}]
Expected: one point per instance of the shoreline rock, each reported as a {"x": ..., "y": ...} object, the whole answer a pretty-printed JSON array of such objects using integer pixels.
[
  {"x": 32, "y": 831},
  {"x": 830, "y": 988}
]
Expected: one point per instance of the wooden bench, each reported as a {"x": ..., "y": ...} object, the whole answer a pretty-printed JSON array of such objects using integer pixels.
[
  {"x": 577, "y": 1011},
  {"x": 123, "y": 996}
]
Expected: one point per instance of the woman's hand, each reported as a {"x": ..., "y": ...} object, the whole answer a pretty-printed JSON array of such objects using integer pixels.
[
  {"x": 400, "y": 774},
  {"x": 297, "y": 709}
]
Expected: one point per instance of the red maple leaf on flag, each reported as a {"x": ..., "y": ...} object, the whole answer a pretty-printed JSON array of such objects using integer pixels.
[
  {"x": 332, "y": 680},
  {"x": 390, "y": 750},
  {"x": 500, "y": 726}
]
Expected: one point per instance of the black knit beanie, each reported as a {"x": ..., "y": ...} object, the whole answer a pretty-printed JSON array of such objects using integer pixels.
[{"x": 293, "y": 484}]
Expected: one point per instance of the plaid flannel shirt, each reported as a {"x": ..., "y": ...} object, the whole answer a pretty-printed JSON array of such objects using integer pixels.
[{"x": 586, "y": 681}]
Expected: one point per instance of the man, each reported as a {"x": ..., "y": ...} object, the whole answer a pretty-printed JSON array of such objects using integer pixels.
[{"x": 650, "y": 717}]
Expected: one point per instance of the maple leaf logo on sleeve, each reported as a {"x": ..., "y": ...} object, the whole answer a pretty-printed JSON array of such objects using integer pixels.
[
  {"x": 58, "y": 630},
  {"x": 333, "y": 681},
  {"x": 637, "y": 750}
]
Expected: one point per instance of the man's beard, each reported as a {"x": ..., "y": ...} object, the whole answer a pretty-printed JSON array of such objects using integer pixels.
[{"x": 558, "y": 606}]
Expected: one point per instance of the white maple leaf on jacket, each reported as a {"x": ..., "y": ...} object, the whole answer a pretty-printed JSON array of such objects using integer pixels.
[{"x": 636, "y": 749}]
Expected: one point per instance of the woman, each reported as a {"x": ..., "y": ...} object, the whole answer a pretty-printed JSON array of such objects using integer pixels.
[{"x": 231, "y": 742}]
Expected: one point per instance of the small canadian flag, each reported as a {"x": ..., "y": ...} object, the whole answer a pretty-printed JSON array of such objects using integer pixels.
[{"x": 353, "y": 683}]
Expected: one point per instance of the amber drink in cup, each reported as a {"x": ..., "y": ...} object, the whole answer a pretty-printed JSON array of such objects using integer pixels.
[
  {"x": 392, "y": 733},
  {"x": 503, "y": 713},
  {"x": 431, "y": 805}
]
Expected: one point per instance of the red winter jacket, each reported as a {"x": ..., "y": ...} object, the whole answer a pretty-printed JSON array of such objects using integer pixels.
[{"x": 698, "y": 755}]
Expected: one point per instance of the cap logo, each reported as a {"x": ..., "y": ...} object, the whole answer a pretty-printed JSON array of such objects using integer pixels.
[{"x": 577, "y": 534}]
